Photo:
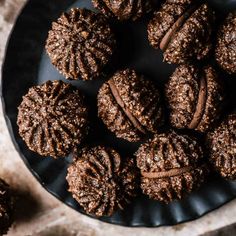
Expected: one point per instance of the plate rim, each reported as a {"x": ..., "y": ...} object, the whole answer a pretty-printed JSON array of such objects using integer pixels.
[{"x": 37, "y": 177}]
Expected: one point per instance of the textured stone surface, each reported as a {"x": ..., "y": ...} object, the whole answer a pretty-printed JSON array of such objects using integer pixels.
[{"x": 40, "y": 214}]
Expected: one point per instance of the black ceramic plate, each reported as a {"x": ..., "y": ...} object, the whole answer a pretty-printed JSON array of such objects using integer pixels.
[{"x": 26, "y": 64}]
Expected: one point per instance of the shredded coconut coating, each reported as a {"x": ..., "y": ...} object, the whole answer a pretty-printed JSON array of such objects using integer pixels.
[
  {"x": 215, "y": 100},
  {"x": 164, "y": 19},
  {"x": 140, "y": 97},
  {"x": 182, "y": 95},
  {"x": 125, "y": 9},
  {"x": 80, "y": 44},
  {"x": 166, "y": 152},
  {"x": 222, "y": 148},
  {"x": 192, "y": 39},
  {"x": 226, "y": 44},
  {"x": 101, "y": 181},
  {"x": 52, "y": 118}
]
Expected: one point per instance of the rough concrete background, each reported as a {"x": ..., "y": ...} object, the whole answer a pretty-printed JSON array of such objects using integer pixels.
[{"x": 40, "y": 214}]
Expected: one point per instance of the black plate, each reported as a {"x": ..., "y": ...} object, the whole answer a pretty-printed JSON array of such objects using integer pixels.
[{"x": 26, "y": 64}]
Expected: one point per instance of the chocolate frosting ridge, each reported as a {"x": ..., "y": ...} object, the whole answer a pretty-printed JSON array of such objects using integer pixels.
[
  {"x": 121, "y": 103},
  {"x": 176, "y": 27},
  {"x": 168, "y": 173},
  {"x": 202, "y": 97}
]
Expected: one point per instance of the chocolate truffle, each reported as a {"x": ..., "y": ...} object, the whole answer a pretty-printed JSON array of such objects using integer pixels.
[
  {"x": 6, "y": 207},
  {"x": 171, "y": 166},
  {"x": 182, "y": 29},
  {"x": 130, "y": 106},
  {"x": 101, "y": 181},
  {"x": 222, "y": 147},
  {"x": 195, "y": 97},
  {"x": 52, "y": 118},
  {"x": 124, "y": 9},
  {"x": 226, "y": 44},
  {"x": 80, "y": 44}
]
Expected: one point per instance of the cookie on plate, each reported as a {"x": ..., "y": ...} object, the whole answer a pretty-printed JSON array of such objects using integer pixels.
[
  {"x": 182, "y": 29},
  {"x": 226, "y": 44},
  {"x": 101, "y": 181},
  {"x": 52, "y": 118},
  {"x": 171, "y": 165},
  {"x": 130, "y": 106},
  {"x": 222, "y": 147},
  {"x": 195, "y": 98},
  {"x": 125, "y": 9},
  {"x": 80, "y": 44}
]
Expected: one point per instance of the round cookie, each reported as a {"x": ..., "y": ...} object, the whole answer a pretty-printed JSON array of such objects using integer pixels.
[
  {"x": 101, "y": 181},
  {"x": 182, "y": 29},
  {"x": 222, "y": 147},
  {"x": 130, "y": 106},
  {"x": 80, "y": 44},
  {"x": 52, "y": 118},
  {"x": 6, "y": 207},
  {"x": 226, "y": 44},
  {"x": 171, "y": 166},
  {"x": 195, "y": 98},
  {"x": 125, "y": 9}
]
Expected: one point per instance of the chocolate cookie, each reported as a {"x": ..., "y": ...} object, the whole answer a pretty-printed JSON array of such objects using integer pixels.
[
  {"x": 101, "y": 181},
  {"x": 222, "y": 147},
  {"x": 130, "y": 106},
  {"x": 6, "y": 207},
  {"x": 195, "y": 97},
  {"x": 226, "y": 44},
  {"x": 182, "y": 29},
  {"x": 80, "y": 44},
  {"x": 52, "y": 118},
  {"x": 171, "y": 166},
  {"x": 125, "y": 9}
]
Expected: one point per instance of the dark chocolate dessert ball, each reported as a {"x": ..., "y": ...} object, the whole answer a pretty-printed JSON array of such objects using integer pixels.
[
  {"x": 195, "y": 98},
  {"x": 125, "y": 9},
  {"x": 130, "y": 106},
  {"x": 171, "y": 166},
  {"x": 101, "y": 181},
  {"x": 6, "y": 207},
  {"x": 80, "y": 44},
  {"x": 226, "y": 44},
  {"x": 222, "y": 147},
  {"x": 182, "y": 29},
  {"x": 52, "y": 118}
]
